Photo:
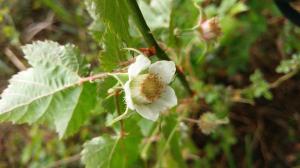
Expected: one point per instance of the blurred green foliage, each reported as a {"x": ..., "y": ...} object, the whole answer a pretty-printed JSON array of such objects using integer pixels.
[{"x": 103, "y": 28}]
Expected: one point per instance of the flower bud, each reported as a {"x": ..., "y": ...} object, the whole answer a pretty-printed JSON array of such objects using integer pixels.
[
  {"x": 210, "y": 29},
  {"x": 209, "y": 122}
]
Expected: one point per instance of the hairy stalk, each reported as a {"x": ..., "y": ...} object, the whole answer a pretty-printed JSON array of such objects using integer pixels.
[
  {"x": 65, "y": 161},
  {"x": 150, "y": 40},
  {"x": 99, "y": 76}
]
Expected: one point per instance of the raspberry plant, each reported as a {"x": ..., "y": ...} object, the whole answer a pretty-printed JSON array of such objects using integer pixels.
[{"x": 62, "y": 90}]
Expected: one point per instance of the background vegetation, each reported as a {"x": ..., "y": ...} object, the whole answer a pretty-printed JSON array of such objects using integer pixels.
[{"x": 250, "y": 75}]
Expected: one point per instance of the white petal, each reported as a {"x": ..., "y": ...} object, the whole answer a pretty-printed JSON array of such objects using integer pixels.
[
  {"x": 146, "y": 111},
  {"x": 141, "y": 63},
  {"x": 128, "y": 98},
  {"x": 164, "y": 69},
  {"x": 151, "y": 111},
  {"x": 167, "y": 100}
]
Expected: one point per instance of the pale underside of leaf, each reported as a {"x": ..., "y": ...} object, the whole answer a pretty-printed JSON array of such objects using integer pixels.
[
  {"x": 53, "y": 94},
  {"x": 50, "y": 91},
  {"x": 48, "y": 52}
]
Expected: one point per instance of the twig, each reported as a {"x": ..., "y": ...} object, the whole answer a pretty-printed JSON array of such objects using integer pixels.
[
  {"x": 14, "y": 59},
  {"x": 150, "y": 40},
  {"x": 282, "y": 79},
  {"x": 65, "y": 161},
  {"x": 190, "y": 120},
  {"x": 98, "y": 76}
]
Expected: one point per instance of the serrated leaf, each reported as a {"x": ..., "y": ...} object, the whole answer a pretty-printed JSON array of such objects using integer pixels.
[
  {"x": 98, "y": 152},
  {"x": 48, "y": 52},
  {"x": 114, "y": 14},
  {"x": 112, "y": 54},
  {"x": 97, "y": 27},
  {"x": 157, "y": 13},
  {"x": 111, "y": 28},
  {"x": 105, "y": 151},
  {"x": 50, "y": 91}
]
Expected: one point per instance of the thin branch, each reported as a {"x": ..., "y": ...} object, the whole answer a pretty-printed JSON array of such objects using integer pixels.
[
  {"x": 14, "y": 59},
  {"x": 190, "y": 120},
  {"x": 282, "y": 79},
  {"x": 150, "y": 40},
  {"x": 65, "y": 161},
  {"x": 98, "y": 76}
]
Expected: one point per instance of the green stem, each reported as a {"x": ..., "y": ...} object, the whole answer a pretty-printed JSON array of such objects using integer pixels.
[
  {"x": 118, "y": 108},
  {"x": 120, "y": 117},
  {"x": 144, "y": 153},
  {"x": 166, "y": 145},
  {"x": 150, "y": 40}
]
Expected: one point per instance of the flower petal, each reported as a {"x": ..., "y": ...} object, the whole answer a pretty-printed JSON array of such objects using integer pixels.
[
  {"x": 128, "y": 98},
  {"x": 141, "y": 63},
  {"x": 164, "y": 69},
  {"x": 151, "y": 111},
  {"x": 146, "y": 111},
  {"x": 167, "y": 100}
]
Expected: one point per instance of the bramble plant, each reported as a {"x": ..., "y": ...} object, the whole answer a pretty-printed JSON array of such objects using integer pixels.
[{"x": 145, "y": 90}]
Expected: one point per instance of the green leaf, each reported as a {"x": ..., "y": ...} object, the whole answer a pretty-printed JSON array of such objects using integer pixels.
[
  {"x": 50, "y": 91},
  {"x": 111, "y": 28},
  {"x": 259, "y": 87},
  {"x": 114, "y": 14},
  {"x": 96, "y": 28},
  {"x": 51, "y": 53},
  {"x": 157, "y": 13},
  {"x": 172, "y": 136},
  {"x": 106, "y": 151},
  {"x": 98, "y": 152},
  {"x": 289, "y": 65},
  {"x": 112, "y": 55}
]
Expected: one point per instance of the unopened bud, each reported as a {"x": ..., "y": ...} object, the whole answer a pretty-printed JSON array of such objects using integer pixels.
[
  {"x": 210, "y": 29},
  {"x": 209, "y": 122}
]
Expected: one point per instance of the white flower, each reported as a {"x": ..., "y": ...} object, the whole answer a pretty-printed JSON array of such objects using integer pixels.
[{"x": 147, "y": 89}]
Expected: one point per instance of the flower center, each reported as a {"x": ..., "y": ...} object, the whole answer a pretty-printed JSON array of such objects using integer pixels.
[
  {"x": 152, "y": 87},
  {"x": 146, "y": 88}
]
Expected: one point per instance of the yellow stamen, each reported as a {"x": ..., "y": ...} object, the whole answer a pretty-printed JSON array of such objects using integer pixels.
[{"x": 152, "y": 87}]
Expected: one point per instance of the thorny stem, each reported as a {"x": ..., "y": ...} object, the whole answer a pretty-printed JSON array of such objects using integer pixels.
[{"x": 150, "y": 40}]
